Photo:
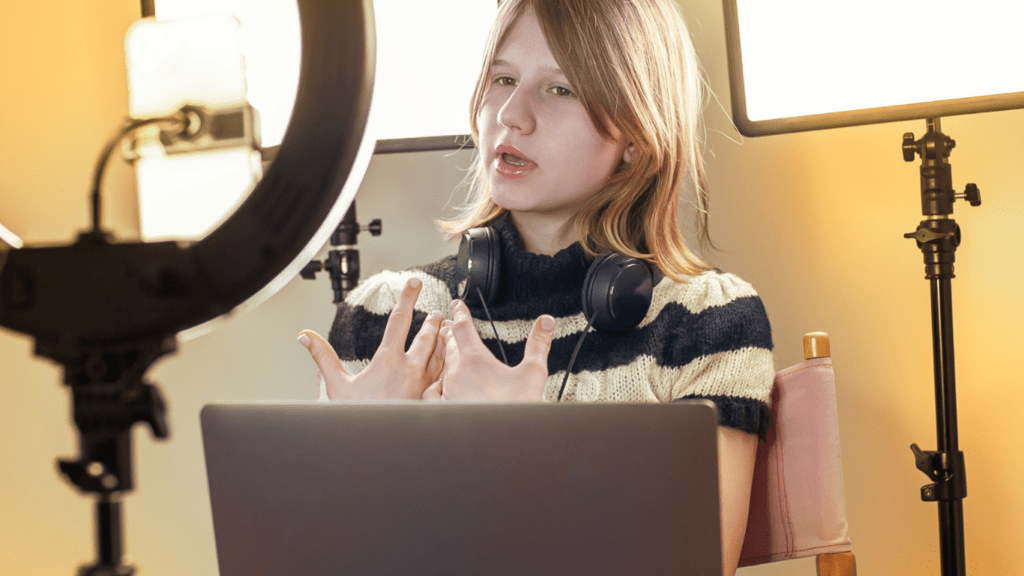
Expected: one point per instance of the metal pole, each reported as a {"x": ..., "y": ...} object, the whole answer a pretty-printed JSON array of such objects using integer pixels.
[{"x": 951, "y": 512}]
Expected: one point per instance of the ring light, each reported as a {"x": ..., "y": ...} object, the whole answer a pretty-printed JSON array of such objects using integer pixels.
[
  {"x": 95, "y": 292},
  {"x": 106, "y": 311}
]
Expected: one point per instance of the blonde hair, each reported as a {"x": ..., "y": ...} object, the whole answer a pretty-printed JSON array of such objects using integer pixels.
[{"x": 634, "y": 67}]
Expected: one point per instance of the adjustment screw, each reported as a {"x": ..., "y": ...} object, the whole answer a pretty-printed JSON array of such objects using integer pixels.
[
  {"x": 909, "y": 147},
  {"x": 971, "y": 194},
  {"x": 375, "y": 227}
]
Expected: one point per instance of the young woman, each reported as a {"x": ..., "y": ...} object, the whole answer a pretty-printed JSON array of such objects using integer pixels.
[{"x": 586, "y": 118}]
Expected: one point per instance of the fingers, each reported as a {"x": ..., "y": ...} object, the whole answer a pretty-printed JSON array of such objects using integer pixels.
[
  {"x": 462, "y": 329},
  {"x": 322, "y": 352},
  {"x": 538, "y": 343},
  {"x": 397, "y": 329},
  {"x": 334, "y": 374},
  {"x": 449, "y": 347},
  {"x": 422, "y": 348},
  {"x": 454, "y": 363},
  {"x": 433, "y": 392},
  {"x": 435, "y": 365}
]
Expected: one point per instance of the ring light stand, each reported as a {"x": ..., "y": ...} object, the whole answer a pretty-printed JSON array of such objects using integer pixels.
[{"x": 106, "y": 311}]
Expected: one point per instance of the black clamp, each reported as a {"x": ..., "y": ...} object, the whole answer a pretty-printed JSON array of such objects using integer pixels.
[
  {"x": 947, "y": 470},
  {"x": 938, "y": 240},
  {"x": 342, "y": 264},
  {"x": 926, "y": 235},
  {"x": 109, "y": 397}
]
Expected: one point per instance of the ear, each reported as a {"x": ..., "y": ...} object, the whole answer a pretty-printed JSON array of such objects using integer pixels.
[{"x": 629, "y": 153}]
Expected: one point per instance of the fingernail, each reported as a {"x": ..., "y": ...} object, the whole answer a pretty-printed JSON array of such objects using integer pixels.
[
  {"x": 436, "y": 315},
  {"x": 547, "y": 323},
  {"x": 304, "y": 340},
  {"x": 447, "y": 324},
  {"x": 455, "y": 303},
  {"x": 415, "y": 282}
]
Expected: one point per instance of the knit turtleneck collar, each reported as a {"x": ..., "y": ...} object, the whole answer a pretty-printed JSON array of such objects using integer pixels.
[{"x": 526, "y": 276}]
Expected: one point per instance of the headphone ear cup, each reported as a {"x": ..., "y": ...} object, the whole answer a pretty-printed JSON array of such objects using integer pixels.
[
  {"x": 617, "y": 292},
  {"x": 479, "y": 262}
]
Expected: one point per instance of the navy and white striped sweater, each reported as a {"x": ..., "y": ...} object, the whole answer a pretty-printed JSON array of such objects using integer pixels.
[{"x": 708, "y": 337}]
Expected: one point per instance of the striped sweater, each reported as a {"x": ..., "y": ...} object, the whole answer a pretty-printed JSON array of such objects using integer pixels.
[{"x": 708, "y": 337}]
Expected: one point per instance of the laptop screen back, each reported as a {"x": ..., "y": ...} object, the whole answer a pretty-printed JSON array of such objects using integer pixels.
[{"x": 433, "y": 488}]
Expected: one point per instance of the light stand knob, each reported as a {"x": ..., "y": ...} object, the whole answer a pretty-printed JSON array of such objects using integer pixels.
[
  {"x": 909, "y": 147},
  {"x": 971, "y": 194},
  {"x": 374, "y": 228}
]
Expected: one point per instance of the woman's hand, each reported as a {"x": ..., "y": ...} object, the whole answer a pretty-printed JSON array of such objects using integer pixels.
[
  {"x": 393, "y": 373},
  {"x": 471, "y": 372}
]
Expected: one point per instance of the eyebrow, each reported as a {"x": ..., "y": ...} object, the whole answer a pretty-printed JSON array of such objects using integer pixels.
[{"x": 548, "y": 69}]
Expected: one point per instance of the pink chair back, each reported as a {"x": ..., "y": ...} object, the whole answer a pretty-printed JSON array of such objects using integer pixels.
[{"x": 797, "y": 507}]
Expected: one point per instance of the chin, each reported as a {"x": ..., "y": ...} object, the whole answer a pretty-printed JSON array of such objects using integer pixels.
[
  {"x": 512, "y": 206},
  {"x": 509, "y": 200}
]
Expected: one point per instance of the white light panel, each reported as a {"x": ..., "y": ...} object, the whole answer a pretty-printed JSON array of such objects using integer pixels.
[
  {"x": 807, "y": 57},
  {"x": 428, "y": 58},
  {"x": 429, "y": 54}
]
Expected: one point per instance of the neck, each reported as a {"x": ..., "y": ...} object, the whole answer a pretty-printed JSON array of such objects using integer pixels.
[{"x": 544, "y": 234}]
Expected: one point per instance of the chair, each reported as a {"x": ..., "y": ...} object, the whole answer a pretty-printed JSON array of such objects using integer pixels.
[{"x": 797, "y": 507}]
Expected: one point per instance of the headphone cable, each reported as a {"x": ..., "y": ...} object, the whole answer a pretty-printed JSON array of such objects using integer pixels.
[
  {"x": 572, "y": 359},
  {"x": 493, "y": 327}
]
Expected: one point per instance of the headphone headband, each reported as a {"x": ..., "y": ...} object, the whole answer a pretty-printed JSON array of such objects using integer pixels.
[{"x": 617, "y": 289}]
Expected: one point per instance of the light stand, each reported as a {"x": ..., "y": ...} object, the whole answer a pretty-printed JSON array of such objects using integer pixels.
[
  {"x": 109, "y": 397},
  {"x": 938, "y": 237},
  {"x": 342, "y": 262},
  {"x": 818, "y": 96}
]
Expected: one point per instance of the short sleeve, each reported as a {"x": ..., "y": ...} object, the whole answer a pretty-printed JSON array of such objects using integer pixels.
[{"x": 720, "y": 349}]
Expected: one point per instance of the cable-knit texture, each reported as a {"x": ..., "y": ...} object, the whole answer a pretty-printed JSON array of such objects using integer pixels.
[{"x": 708, "y": 337}]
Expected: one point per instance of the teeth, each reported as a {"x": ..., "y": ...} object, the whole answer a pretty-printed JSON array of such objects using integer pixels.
[{"x": 514, "y": 160}]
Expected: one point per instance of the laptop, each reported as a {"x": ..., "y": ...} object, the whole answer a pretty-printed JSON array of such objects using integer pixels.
[{"x": 423, "y": 488}]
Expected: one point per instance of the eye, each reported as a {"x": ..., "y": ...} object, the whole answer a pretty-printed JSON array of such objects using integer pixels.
[
  {"x": 562, "y": 91},
  {"x": 505, "y": 81}
]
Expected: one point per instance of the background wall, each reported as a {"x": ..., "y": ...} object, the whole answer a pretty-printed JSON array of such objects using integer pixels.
[{"x": 815, "y": 221}]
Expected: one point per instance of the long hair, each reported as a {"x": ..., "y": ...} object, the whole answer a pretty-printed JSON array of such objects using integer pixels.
[{"x": 634, "y": 67}]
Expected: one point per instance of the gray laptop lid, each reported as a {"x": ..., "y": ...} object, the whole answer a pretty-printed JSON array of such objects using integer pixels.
[{"x": 453, "y": 489}]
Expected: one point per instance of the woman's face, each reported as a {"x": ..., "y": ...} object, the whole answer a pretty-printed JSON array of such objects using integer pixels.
[{"x": 542, "y": 152}]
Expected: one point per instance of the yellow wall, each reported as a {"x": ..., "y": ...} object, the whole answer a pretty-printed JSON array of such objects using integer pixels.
[{"x": 815, "y": 221}]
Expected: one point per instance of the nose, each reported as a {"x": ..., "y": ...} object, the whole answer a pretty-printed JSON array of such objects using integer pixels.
[{"x": 518, "y": 112}]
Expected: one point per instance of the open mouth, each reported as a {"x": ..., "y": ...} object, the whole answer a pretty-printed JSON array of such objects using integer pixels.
[
  {"x": 511, "y": 163},
  {"x": 514, "y": 160}
]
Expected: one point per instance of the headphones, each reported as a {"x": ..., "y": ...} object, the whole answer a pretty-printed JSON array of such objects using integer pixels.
[{"x": 616, "y": 290}]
